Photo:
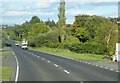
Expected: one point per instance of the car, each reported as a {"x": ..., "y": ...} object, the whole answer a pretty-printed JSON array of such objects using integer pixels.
[{"x": 17, "y": 44}]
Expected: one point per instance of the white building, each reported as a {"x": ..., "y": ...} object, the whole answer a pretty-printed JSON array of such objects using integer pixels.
[{"x": 116, "y": 57}]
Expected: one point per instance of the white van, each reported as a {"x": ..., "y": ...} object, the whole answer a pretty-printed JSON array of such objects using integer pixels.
[{"x": 24, "y": 44}]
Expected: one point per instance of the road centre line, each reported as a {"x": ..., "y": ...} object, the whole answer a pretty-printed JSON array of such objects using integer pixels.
[
  {"x": 43, "y": 59},
  {"x": 56, "y": 65},
  {"x": 66, "y": 72},
  {"x": 117, "y": 71},
  {"x": 86, "y": 62},
  {"x": 48, "y": 61},
  {"x": 89, "y": 63},
  {"x": 101, "y": 66},
  {"x": 79, "y": 61},
  {"x": 111, "y": 69},
  {"x": 97, "y": 65},
  {"x": 106, "y": 68}
]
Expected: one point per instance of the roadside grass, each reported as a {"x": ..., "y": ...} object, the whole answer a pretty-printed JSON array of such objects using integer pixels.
[
  {"x": 68, "y": 53},
  {"x": 5, "y": 53},
  {"x": 5, "y": 73}
]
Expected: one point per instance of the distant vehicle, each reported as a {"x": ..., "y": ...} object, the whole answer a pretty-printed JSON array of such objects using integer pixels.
[
  {"x": 17, "y": 44},
  {"x": 24, "y": 44}
]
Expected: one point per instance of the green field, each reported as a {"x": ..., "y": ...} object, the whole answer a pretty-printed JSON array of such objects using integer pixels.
[
  {"x": 5, "y": 73},
  {"x": 68, "y": 53}
]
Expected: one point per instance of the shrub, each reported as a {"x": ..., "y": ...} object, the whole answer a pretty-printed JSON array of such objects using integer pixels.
[{"x": 86, "y": 48}]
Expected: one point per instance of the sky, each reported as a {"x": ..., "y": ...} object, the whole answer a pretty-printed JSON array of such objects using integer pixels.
[{"x": 18, "y": 11}]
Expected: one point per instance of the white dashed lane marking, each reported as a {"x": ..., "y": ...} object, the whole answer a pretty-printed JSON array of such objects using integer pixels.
[
  {"x": 48, "y": 61},
  {"x": 117, "y": 71},
  {"x": 97, "y": 65},
  {"x": 101, "y": 66},
  {"x": 111, "y": 69},
  {"x": 89, "y": 63},
  {"x": 85, "y": 62},
  {"x": 66, "y": 72},
  {"x": 56, "y": 65},
  {"x": 43, "y": 59},
  {"x": 106, "y": 68},
  {"x": 75, "y": 60}
]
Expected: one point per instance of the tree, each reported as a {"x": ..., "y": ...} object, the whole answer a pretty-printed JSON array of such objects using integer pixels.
[
  {"x": 107, "y": 35},
  {"x": 34, "y": 19},
  {"x": 61, "y": 20},
  {"x": 81, "y": 34},
  {"x": 51, "y": 24}
]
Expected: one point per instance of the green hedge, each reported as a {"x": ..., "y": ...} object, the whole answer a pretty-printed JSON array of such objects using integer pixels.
[{"x": 86, "y": 48}]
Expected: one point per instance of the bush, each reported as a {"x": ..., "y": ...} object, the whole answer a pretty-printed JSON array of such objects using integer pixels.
[
  {"x": 31, "y": 42},
  {"x": 52, "y": 45},
  {"x": 49, "y": 39},
  {"x": 86, "y": 48}
]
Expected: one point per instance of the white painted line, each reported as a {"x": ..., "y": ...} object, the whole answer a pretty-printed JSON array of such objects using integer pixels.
[
  {"x": 77, "y": 60},
  {"x": 89, "y": 63},
  {"x": 43, "y": 59},
  {"x": 56, "y": 65},
  {"x": 111, "y": 69},
  {"x": 117, "y": 71},
  {"x": 83, "y": 61},
  {"x": 93, "y": 64},
  {"x": 81, "y": 82},
  {"x": 38, "y": 56},
  {"x": 106, "y": 68},
  {"x": 17, "y": 70},
  {"x": 48, "y": 61},
  {"x": 101, "y": 66},
  {"x": 34, "y": 55},
  {"x": 66, "y": 72},
  {"x": 96, "y": 65},
  {"x": 86, "y": 62}
]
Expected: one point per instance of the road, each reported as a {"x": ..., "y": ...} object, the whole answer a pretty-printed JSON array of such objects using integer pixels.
[{"x": 38, "y": 66}]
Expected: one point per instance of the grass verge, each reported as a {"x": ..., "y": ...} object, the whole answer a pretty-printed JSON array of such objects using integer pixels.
[
  {"x": 68, "y": 53},
  {"x": 5, "y": 73}
]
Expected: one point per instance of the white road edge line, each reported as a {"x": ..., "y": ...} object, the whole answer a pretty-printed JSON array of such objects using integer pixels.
[
  {"x": 17, "y": 71},
  {"x": 66, "y": 72}
]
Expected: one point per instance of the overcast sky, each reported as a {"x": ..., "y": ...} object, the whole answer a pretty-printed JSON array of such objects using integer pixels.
[{"x": 19, "y": 11}]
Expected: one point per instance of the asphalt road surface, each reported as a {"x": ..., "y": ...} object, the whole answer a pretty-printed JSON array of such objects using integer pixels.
[{"x": 38, "y": 66}]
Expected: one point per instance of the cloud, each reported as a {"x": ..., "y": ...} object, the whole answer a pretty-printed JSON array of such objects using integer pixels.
[
  {"x": 42, "y": 5},
  {"x": 15, "y": 13},
  {"x": 59, "y": 0},
  {"x": 92, "y": 1},
  {"x": 24, "y": 13}
]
